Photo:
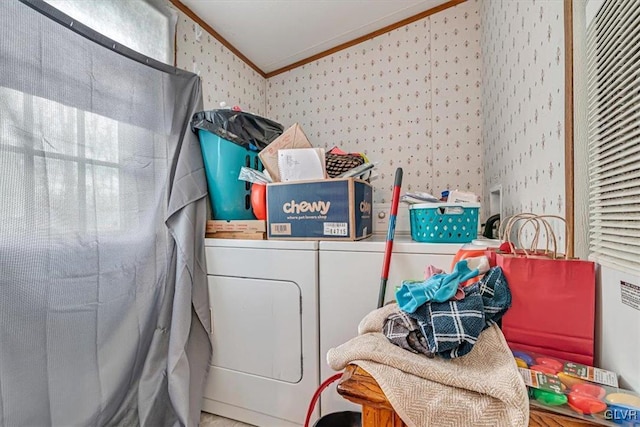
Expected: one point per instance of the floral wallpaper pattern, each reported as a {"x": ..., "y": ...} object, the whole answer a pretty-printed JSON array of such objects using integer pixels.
[
  {"x": 408, "y": 98},
  {"x": 225, "y": 77},
  {"x": 523, "y": 105},
  {"x": 470, "y": 98}
]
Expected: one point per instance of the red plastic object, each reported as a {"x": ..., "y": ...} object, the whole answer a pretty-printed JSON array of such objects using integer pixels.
[
  {"x": 588, "y": 389},
  {"x": 395, "y": 198},
  {"x": 551, "y": 363},
  {"x": 544, "y": 369},
  {"x": 464, "y": 254},
  {"x": 505, "y": 248},
  {"x": 584, "y": 404},
  {"x": 259, "y": 201}
]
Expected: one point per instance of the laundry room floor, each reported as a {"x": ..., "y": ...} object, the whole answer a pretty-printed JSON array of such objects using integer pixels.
[{"x": 210, "y": 420}]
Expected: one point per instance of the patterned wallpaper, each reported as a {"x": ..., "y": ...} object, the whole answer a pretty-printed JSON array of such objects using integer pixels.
[
  {"x": 408, "y": 98},
  {"x": 454, "y": 104},
  {"x": 225, "y": 77},
  {"x": 523, "y": 104}
]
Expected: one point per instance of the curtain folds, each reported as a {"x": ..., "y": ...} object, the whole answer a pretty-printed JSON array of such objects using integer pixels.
[{"x": 104, "y": 316}]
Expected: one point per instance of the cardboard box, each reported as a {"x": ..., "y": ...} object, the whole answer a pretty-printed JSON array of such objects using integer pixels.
[
  {"x": 336, "y": 209},
  {"x": 236, "y": 226},
  {"x": 536, "y": 362},
  {"x": 236, "y": 235},
  {"x": 293, "y": 137}
]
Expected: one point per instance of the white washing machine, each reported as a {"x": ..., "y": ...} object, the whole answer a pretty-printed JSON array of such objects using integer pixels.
[
  {"x": 349, "y": 285},
  {"x": 264, "y": 311}
]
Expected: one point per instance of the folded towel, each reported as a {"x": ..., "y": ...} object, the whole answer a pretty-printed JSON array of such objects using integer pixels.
[{"x": 480, "y": 389}]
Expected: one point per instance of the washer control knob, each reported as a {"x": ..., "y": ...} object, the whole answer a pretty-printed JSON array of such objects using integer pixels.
[{"x": 381, "y": 215}]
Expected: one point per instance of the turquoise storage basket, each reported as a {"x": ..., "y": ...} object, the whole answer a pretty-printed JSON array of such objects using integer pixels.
[
  {"x": 444, "y": 222},
  {"x": 230, "y": 197}
]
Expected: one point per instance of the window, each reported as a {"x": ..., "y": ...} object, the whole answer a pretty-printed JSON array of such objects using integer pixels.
[
  {"x": 74, "y": 163},
  {"x": 145, "y": 26},
  {"x": 71, "y": 172},
  {"x": 613, "y": 97}
]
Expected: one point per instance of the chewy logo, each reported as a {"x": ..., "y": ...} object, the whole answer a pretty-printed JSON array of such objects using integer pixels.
[
  {"x": 365, "y": 207},
  {"x": 294, "y": 207}
]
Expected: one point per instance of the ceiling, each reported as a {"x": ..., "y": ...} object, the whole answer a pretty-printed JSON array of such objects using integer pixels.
[{"x": 274, "y": 34}]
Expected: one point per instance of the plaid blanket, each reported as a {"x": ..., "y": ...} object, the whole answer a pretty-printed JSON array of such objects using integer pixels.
[
  {"x": 451, "y": 328},
  {"x": 496, "y": 297},
  {"x": 404, "y": 332}
]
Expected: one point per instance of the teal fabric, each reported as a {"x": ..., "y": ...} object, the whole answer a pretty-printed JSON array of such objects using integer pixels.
[{"x": 439, "y": 288}]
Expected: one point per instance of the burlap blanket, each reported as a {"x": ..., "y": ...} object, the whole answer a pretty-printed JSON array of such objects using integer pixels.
[{"x": 482, "y": 388}]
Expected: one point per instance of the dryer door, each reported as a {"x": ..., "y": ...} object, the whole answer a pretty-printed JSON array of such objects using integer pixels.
[
  {"x": 256, "y": 327},
  {"x": 264, "y": 310}
]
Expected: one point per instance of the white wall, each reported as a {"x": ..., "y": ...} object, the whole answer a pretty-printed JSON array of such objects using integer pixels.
[{"x": 618, "y": 328}]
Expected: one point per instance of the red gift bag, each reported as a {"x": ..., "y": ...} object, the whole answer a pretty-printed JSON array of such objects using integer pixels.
[{"x": 553, "y": 302}]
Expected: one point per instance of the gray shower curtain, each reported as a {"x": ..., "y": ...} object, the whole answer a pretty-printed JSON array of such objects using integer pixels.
[{"x": 104, "y": 316}]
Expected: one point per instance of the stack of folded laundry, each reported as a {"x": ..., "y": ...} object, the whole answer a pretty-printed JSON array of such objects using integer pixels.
[{"x": 444, "y": 314}]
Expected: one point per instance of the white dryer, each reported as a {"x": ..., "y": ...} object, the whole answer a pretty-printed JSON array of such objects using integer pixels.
[
  {"x": 264, "y": 310},
  {"x": 349, "y": 285}
]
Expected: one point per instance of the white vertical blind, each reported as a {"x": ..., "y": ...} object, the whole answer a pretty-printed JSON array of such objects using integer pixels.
[{"x": 613, "y": 88}]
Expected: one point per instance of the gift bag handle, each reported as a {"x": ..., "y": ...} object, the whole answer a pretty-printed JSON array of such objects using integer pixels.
[
  {"x": 534, "y": 242},
  {"x": 504, "y": 225},
  {"x": 528, "y": 218},
  {"x": 566, "y": 230},
  {"x": 508, "y": 228},
  {"x": 550, "y": 237},
  {"x": 535, "y": 219},
  {"x": 507, "y": 224}
]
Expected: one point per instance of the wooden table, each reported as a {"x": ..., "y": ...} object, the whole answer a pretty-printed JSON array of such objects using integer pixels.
[{"x": 357, "y": 386}]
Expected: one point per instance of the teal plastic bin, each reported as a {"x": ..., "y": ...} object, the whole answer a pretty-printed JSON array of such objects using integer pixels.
[
  {"x": 444, "y": 222},
  {"x": 230, "y": 140},
  {"x": 230, "y": 197}
]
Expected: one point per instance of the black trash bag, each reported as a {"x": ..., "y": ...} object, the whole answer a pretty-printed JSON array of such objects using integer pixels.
[{"x": 247, "y": 130}]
